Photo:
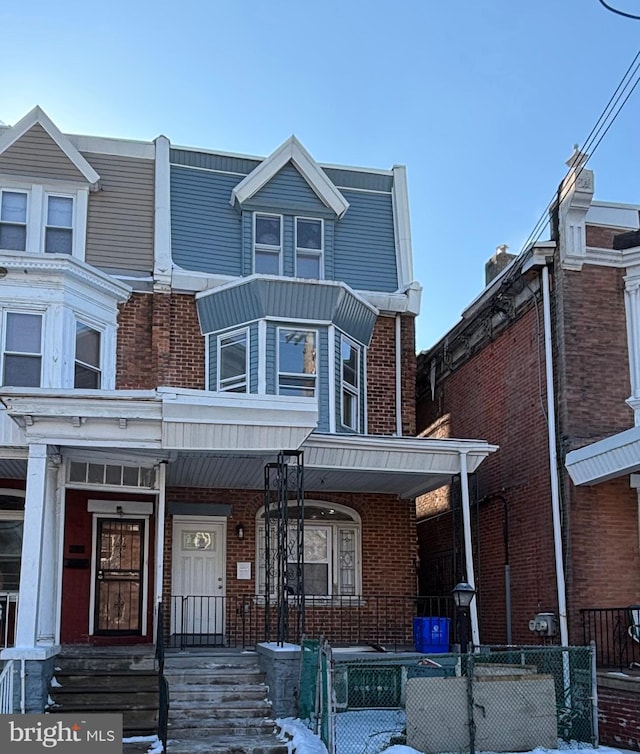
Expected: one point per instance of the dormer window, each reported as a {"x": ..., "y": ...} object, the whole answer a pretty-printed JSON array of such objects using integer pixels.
[
  {"x": 267, "y": 252},
  {"x": 309, "y": 248},
  {"x": 13, "y": 220},
  {"x": 58, "y": 238}
]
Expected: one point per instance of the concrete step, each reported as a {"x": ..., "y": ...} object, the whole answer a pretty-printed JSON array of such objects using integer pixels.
[
  {"x": 212, "y": 728},
  {"x": 229, "y": 710},
  {"x": 259, "y": 744},
  {"x": 108, "y": 681},
  {"x": 197, "y": 676},
  {"x": 100, "y": 660},
  {"x": 134, "y": 722},
  {"x": 217, "y": 694}
]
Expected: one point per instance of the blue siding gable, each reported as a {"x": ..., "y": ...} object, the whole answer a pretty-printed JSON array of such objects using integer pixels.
[
  {"x": 206, "y": 232},
  {"x": 288, "y": 192},
  {"x": 364, "y": 243}
]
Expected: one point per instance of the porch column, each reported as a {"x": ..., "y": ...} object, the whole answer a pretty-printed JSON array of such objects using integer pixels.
[
  {"x": 160, "y": 519},
  {"x": 468, "y": 549},
  {"x": 36, "y": 602},
  {"x": 48, "y": 598}
]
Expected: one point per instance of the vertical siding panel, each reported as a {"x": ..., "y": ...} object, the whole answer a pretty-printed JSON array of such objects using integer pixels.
[
  {"x": 247, "y": 243},
  {"x": 322, "y": 363},
  {"x": 213, "y": 361},
  {"x": 272, "y": 366},
  {"x": 253, "y": 358},
  {"x": 329, "y": 266},
  {"x": 288, "y": 250}
]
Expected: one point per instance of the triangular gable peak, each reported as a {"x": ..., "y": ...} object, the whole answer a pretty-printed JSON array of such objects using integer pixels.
[
  {"x": 35, "y": 117},
  {"x": 293, "y": 152}
]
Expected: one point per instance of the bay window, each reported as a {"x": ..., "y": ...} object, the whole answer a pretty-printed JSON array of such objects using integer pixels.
[
  {"x": 87, "y": 371},
  {"x": 22, "y": 349},
  {"x": 350, "y": 374},
  {"x": 233, "y": 362}
]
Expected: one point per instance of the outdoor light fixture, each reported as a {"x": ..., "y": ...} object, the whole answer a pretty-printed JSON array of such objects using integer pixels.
[
  {"x": 240, "y": 531},
  {"x": 463, "y": 593}
]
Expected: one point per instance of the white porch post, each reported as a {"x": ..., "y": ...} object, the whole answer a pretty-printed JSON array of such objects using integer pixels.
[
  {"x": 36, "y": 603},
  {"x": 160, "y": 520},
  {"x": 468, "y": 549},
  {"x": 48, "y": 564}
]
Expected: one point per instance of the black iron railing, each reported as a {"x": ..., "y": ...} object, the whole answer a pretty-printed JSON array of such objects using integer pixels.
[
  {"x": 163, "y": 685},
  {"x": 385, "y": 620},
  {"x": 616, "y": 632}
]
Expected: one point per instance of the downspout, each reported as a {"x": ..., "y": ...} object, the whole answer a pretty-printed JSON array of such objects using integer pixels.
[
  {"x": 468, "y": 550},
  {"x": 553, "y": 462},
  {"x": 398, "y": 377}
]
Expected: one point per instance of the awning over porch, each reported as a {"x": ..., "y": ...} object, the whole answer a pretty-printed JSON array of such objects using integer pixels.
[{"x": 615, "y": 456}]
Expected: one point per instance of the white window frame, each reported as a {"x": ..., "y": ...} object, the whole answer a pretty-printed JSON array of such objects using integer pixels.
[
  {"x": 101, "y": 333},
  {"x": 280, "y": 373},
  {"x": 267, "y": 248},
  {"x": 9, "y": 190},
  {"x": 319, "y": 253},
  {"x": 37, "y": 206},
  {"x": 14, "y": 516},
  {"x": 349, "y": 389},
  {"x": 45, "y": 218},
  {"x": 3, "y": 341},
  {"x": 247, "y": 374},
  {"x": 354, "y": 526}
]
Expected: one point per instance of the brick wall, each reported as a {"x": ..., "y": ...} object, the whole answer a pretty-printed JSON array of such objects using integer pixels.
[
  {"x": 619, "y": 712},
  {"x": 381, "y": 377},
  {"x": 159, "y": 343}
]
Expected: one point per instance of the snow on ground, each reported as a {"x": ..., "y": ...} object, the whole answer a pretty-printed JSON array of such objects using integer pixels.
[
  {"x": 360, "y": 740},
  {"x": 155, "y": 744}
]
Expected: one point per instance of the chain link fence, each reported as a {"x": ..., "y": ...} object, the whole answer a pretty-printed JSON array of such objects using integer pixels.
[{"x": 508, "y": 699}]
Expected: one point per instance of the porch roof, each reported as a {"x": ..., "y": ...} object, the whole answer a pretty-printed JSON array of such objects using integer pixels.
[
  {"x": 224, "y": 441},
  {"x": 615, "y": 456}
]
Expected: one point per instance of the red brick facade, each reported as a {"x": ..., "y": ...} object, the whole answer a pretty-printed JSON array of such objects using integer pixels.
[{"x": 498, "y": 394}]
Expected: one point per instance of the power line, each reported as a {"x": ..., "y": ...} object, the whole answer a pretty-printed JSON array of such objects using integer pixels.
[
  {"x": 619, "y": 12},
  {"x": 607, "y": 118}
]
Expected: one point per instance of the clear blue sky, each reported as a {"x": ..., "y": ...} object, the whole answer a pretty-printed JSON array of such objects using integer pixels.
[{"x": 481, "y": 99}]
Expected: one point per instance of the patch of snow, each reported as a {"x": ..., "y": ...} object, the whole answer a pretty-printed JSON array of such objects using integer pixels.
[
  {"x": 155, "y": 743},
  {"x": 55, "y": 684},
  {"x": 299, "y": 738}
]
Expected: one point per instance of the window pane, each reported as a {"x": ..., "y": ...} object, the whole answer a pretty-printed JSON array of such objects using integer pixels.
[
  {"x": 14, "y": 207},
  {"x": 267, "y": 263},
  {"x": 10, "y": 554},
  {"x": 86, "y": 378},
  {"x": 87, "y": 345},
  {"x": 349, "y": 364},
  {"x": 22, "y": 371},
  {"x": 303, "y": 387},
  {"x": 308, "y": 266},
  {"x": 233, "y": 359},
  {"x": 24, "y": 333},
  {"x": 13, "y": 237},
  {"x": 297, "y": 352},
  {"x": 58, "y": 241},
  {"x": 309, "y": 234},
  {"x": 60, "y": 211},
  {"x": 349, "y": 410},
  {"x": 267, "y": 230}
]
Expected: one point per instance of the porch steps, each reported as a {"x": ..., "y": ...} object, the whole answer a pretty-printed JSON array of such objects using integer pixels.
[
  {"x": 109, "y": 679},
  {"x": 219, "y": 704}
]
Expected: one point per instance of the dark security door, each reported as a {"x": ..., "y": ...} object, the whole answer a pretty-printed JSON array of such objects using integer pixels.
[{"x": 119, "y": 562}]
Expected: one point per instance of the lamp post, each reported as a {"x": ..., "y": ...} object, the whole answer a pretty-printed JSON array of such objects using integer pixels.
[{"x": 463, "y": 593}]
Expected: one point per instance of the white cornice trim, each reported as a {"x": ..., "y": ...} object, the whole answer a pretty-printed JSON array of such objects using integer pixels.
[
  {"x": 38, "y": 116},
  {"x": 291, "y": 151},
  {"x": 63, "y": 264},
  {"x": 115, "y": 147},
  {"x": 402, "y": 226}
]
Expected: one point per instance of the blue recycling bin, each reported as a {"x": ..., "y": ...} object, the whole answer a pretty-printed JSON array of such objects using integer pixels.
[{"x": 431, "y": 635}]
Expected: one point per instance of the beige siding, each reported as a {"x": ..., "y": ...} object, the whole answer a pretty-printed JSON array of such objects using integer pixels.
[
  {"x": 120, "y": 222},
  {"x": 36, "y": 155}
]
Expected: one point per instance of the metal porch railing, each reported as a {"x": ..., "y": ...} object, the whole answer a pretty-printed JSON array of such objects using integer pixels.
[
  {"x": 6, "y": 689},
  {"x": 239, "y": 621},
  {"x": 8, "y": 618},
  {"x": 616, "y": 632}
]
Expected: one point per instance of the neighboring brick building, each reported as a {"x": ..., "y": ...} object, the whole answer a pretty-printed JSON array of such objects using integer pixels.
[
  {"x": 173, "y": 319},
  {"x": 539, "y": 546}
]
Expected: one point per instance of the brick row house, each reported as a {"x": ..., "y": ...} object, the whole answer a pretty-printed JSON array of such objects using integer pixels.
[
  {"x": 544, "y": 363},
  {"x": 188, "y": 339}
]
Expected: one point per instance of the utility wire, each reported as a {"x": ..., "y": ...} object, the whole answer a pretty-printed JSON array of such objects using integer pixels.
[
  {"x": 619, "y": 12},
  {"x": 625, "y": 88}
]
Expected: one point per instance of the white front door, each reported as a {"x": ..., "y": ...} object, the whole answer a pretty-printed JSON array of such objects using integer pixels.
[{"x": 198, "y": 580}]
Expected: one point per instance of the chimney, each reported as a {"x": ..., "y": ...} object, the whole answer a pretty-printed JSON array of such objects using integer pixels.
[{"x": 497, "y": 263}]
